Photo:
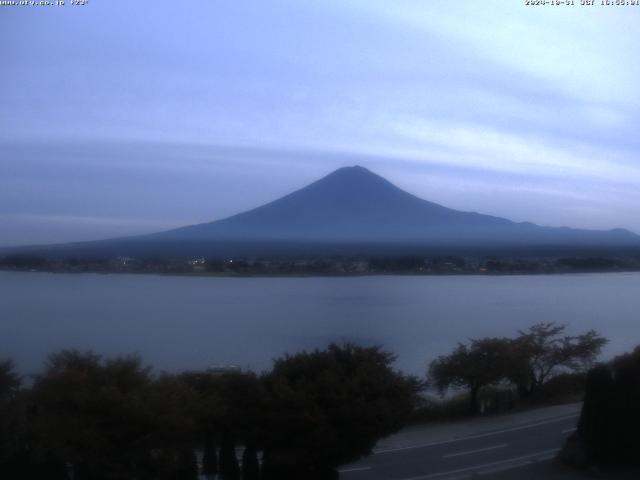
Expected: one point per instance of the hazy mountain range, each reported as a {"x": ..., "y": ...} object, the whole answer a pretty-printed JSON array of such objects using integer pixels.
[{"x": 350, "y": 210}]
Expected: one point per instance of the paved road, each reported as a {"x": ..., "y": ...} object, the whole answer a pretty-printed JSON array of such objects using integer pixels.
[{"x": 521, "y": 448}]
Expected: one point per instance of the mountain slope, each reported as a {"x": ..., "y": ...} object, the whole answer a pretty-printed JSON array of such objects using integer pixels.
[
  {"x": 354, "y": 211},
  {"x": 355, "y": 205}
]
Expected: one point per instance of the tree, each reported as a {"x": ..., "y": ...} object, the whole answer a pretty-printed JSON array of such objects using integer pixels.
[
  {"x": 329, "y": 407},
  {"x": 229, "y": 468},
  {"x": 9, "y": 380},
  {"x": 542, "y": 352},
  {"x": 172, "y": 427},
  {"x": 111, "y": 419},
  {"x": 21, "y": 261},
  {"x": 229, "y": 411},
  {"x": 209, "y": 456},
  {"x": 607, "y": 433},
  {"x": 12, "y": 426},
  {"x": 250, "y": 464},
  {"x": 483, "y": 362},
  {"x": 89, "y": 413},
  {"x": 528, "y": 361}
]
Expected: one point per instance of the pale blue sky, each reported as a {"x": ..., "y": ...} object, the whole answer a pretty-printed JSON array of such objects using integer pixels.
[{"x": 128, "y": 117}]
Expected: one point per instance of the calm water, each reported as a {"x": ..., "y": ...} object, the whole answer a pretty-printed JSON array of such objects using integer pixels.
[{"x": 182, "y": 322}]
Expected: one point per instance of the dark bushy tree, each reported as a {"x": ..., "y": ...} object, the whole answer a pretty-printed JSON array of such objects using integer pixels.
[
  {"x": 250, "y": 464},
  {"x": 229, "y": 412},
  {"x": 482, "y": 363},
  {"x": 187, "y": 464},
  {"x": 229, "y": 467},
  {"x": 12, "y": 427},
  {"x": 610, "y": 418},
  {"x": 10, "y": 381},
  {"x": 106, "y": 418},
  {"x": 209, "y": 456},
  {"x": 329, "y": 407},
  {"x": 172, "y": 427}
]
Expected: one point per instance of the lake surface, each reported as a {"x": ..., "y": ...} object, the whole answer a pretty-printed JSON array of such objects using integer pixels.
[{"x": 179, "y": 323}]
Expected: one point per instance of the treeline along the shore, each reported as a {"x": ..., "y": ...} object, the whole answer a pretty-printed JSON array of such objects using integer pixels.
[
  {"x": 85, "y": 417},
  {"x": 502, "y": 264}
]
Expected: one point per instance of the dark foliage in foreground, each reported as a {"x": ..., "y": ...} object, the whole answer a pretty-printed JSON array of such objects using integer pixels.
[
  {"x": 335, "y": 403},
  {"x": 90, "y": 418},
  {"x": 608, "y": 429}
]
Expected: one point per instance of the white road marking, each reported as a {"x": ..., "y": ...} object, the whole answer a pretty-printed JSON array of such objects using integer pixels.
[
  {"x": 479, "y": 435},
  {"x": 477, "y": 450},
  {"x": 511, "y": 466},
  {"x": 354, "y": 469},
  {"x": 503, "y": 468},
  {"x": 506, "y": 464},
  {"x": 568, "y": 430}
]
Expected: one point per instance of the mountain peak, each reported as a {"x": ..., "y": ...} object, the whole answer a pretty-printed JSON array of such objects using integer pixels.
[
  {"x": 354, "y": 168},
  {"x": 354, "y": 177},
  {"x": 352, "y": 172}
]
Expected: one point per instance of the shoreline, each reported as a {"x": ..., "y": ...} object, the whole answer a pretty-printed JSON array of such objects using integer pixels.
[{"x": 319, "y": 275}]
